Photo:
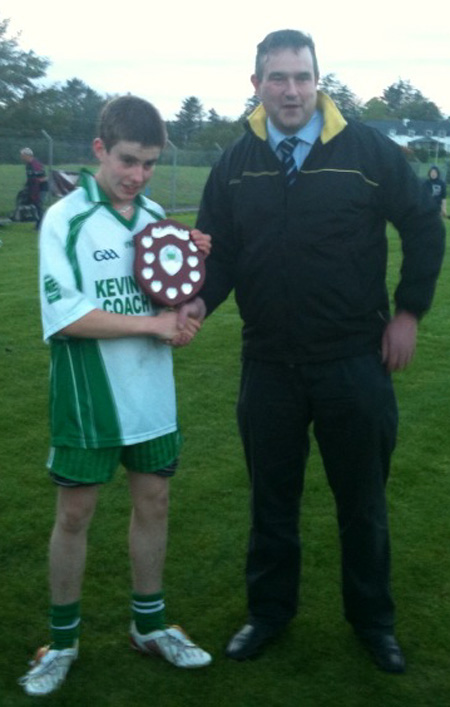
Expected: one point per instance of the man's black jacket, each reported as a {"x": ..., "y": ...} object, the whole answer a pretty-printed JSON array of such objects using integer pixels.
[{"x": 308, "y": 263}]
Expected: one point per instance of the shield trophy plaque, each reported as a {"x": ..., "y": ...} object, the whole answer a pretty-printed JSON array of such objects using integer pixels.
[{"x": 168, "y": 266}]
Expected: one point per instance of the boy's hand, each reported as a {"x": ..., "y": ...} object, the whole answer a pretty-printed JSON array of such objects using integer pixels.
[
  {"x": 185, "y": 335},
  {"x": 202, "y": 241},
  {"x": 169, "y": 331},
  {"x": 166, "y": 325}
]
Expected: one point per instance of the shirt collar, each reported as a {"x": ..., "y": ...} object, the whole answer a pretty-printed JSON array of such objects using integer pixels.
[
  {"x": 95, "y": 192},
  {"x": 308, "y": 133}
]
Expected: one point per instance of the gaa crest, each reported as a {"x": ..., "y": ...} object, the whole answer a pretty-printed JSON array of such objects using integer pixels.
[{"x": 168, "y": 266}]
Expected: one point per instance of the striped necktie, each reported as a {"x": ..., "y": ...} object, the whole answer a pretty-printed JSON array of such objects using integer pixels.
[{"x": 287, "y": 148}]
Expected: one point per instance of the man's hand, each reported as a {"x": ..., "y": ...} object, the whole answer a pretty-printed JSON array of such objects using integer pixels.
[
  {"x": 399, "y": 341},
  {"x": 202, "y": 241},
  {"x": 171, "y": 332},
  {"x": 195, "y": 309}
]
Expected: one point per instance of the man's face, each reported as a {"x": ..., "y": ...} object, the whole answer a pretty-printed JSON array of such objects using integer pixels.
[
  {"x": 288, "y": 88},
  {"x": 125, "y": 169},
  {"x": 433, "y": 174}
]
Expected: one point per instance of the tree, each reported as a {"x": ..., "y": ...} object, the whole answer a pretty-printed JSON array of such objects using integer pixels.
[
  {"x": 18, "y": 68},
  {"x": 405, "y": 101},
  {"x": 213, "y": 116},
  {"x": 217, "y": 134},
  {"x": 70, "y": 111},
  {"x": 79, "y": 106},
  {"x": 397, "y": 96},
  {"x": 250, "y": 105},
  {"x": 375, "y": 109},
  {"x": 188, "y": 121},
  {"x": 345, "y": 99}
]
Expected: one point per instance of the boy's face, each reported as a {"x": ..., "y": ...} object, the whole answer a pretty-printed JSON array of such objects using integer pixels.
[{"x": 125, "y": 169}]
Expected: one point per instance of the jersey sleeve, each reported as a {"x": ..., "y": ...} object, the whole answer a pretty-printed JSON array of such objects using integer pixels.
[{"x": 62, "y": 301}]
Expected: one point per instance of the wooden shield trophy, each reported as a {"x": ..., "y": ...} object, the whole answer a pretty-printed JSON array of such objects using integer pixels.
[{"x": 168, "y": 266}]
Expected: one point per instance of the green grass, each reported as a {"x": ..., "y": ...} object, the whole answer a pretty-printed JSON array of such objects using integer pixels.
[
  {"x": 173, "y": 189},
  {"x": 317, "y": 663}
]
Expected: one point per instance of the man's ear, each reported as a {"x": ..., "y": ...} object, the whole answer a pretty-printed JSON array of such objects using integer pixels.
[{"x": 256, "y": 83}]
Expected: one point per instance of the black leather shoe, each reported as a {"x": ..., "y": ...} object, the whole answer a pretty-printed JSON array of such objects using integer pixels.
[
  {"x": 250, "y": 641},
  {"x": 384, "y": 651}
]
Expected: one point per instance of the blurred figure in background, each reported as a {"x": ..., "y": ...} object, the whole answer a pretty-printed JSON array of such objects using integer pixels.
[
  {"x": 438, "y": 190},
  {"x": 37, "y": 182}
]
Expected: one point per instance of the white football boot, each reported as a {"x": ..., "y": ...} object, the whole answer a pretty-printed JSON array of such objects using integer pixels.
[
  {"x": 48, "y": 670},
  {"x": 171, "y": 643}
]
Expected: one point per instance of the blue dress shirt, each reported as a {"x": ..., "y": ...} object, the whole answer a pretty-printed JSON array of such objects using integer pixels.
[{"x": 307, "y": 135}]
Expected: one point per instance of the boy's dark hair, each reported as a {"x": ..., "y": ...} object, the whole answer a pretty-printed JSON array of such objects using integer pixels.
[
  {"x": 436, "y": 169},
  {"x": 132, "y": 119},
  {"x": 284, "y": 39}
]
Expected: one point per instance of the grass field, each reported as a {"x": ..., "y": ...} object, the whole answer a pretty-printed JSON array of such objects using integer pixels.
[
  {"x": 317, "y": 663},
  {"x": 173, "y": 189}
]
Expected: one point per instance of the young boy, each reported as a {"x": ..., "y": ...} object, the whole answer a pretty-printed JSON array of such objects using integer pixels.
[
  {"x": 437, "y": 189},
  {"x": 112, "y": 393}
]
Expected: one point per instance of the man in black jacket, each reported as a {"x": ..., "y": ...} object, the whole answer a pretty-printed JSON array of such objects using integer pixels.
[{"x": 297, "y": 210}]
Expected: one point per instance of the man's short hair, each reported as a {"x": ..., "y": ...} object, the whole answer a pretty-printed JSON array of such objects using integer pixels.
[
  {"x": 26, "y": 151},
  {"x": 132, "y": 119},
  {"x": 284, "y": 39}
]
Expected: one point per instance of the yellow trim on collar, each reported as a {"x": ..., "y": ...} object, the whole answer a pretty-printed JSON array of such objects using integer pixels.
[
  {"x": 334, "y": 122},
  {"x": 257, "y": 121}
]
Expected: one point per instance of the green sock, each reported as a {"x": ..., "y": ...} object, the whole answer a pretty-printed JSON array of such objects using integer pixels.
[
  {"x": 149, "y": 612},
  {"x": 64, "y": 624}
]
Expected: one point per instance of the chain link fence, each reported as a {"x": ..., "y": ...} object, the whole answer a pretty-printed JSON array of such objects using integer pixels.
[{"x": 177, "y": 184}]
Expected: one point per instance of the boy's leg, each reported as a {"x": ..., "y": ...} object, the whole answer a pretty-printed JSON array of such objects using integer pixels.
[
  {"x": 148, "y": 541},
  {"x": 74, "y": 511},
  {"x": 148, "y": 530}
]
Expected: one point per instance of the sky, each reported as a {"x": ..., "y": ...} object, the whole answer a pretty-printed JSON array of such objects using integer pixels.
[{"x": 168, "y": 50}]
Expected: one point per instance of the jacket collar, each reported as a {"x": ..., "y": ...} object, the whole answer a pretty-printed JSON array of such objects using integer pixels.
[{"x": 334, "y": 122}]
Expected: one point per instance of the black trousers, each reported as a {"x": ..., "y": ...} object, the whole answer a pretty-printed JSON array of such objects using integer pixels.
[
  {"x": 352, "y": 407},
  {"x": 39, "y": 204}
]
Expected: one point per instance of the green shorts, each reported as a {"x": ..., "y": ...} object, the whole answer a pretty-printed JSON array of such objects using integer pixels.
[{"x": 72, "y": 466}]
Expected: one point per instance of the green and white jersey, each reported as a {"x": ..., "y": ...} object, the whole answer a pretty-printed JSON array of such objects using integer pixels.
[{"x": 103, "y": 392}]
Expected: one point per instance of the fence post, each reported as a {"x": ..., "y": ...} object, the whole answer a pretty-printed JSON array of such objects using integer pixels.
[
  {"x": 47, "y": 195},
  {"x": 50, "y": 149},
  {"x": 173, "y": 184}
]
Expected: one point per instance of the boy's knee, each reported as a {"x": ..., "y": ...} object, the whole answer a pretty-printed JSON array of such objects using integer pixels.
[
  {"x": 75, "y": 512},
  {"x": 154, "y": 498}
]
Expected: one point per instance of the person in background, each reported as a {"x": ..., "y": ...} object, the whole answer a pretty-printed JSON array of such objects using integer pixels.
[
  {"x": 37, "y": 182},
  {"x": 297, "y": 210},
  {"x": 437, "y": 189},
  {"x": 112, "y": 390}
]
